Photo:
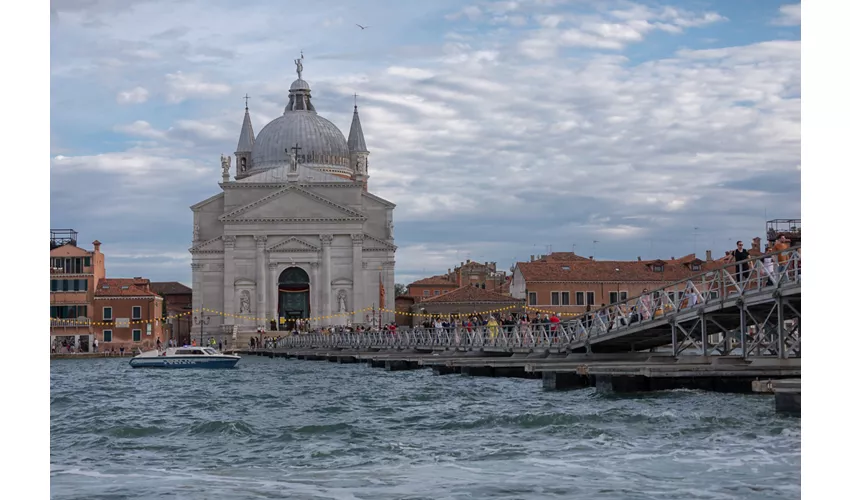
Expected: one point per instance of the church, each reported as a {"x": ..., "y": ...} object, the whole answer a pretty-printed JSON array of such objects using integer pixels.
[{"x": 294, "y": 233}]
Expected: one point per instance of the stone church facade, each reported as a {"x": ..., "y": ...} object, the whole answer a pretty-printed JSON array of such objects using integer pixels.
[{"x": 295, "y": 233}]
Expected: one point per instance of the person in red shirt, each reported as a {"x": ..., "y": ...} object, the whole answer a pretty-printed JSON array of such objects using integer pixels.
[{"x": 554, "y": 324}]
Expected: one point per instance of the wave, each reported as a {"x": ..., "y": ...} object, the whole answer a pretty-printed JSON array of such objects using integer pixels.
[
  {"x": 323, "y": 429},
  {"x": 220, "y": 427}
]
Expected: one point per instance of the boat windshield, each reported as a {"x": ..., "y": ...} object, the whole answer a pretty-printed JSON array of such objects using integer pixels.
[
  {"x": 209, "y": 351},
  {"x": 183, "y": 352}
]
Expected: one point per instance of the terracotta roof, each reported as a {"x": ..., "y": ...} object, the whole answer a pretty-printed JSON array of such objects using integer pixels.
[
  {"x": 563, "y": 256},
  {"x": 604, "y": 270},
  {"x": 434, "y": 280},
  {"x": 470, "y": 294},
  {"x": 170, "y": 288},
  {"x": 69, "y": 250},
  {"x": 123, "y": 287}
]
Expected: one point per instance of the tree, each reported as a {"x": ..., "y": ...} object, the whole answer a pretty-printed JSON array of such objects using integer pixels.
[{"x": 400, "y": 289}]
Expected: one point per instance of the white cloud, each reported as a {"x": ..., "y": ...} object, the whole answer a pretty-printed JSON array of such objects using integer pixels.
[
  {"x": 789, "y": 15},
  {"x": 185, "y": 86},
  {"x": 136, "y": 95},
  {"x": 488, "y": 144}
]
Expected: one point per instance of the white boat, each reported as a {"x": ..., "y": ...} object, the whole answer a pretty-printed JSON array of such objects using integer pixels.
[{"x": 185, "y": 357}]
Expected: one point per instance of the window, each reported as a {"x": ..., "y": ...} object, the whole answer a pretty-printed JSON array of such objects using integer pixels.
[
  {"x": 137, "y": 312},
  {"x": 445, "y": 291},
  {"x": 137, "y": 335},
  {"x": 565, "y": 268},
  {"x": 612, "y": 297},
  {"x": 713, "y": 294},
  {"x": 591, "y": 298},
  {"x": 54, "y": 285},
  {"x": 87, "y": 262},
  {"x": 565, "y": 298},
  {"x": 556, "y": 298},
  {"x": 532, "y": 298},
  {"x": 579, "y": 298},
  {"x": 436, "y": 292},
  {"x": 107, "y": 313},
  {"x": 695, "y": 267},
  {"x": 107, "y": 335},
  {"x": 67, "y": 312},
  {"x": 624, "y": 296},
  {"x": 426, "y": 293},
  {"x": 658, "y": 268}
]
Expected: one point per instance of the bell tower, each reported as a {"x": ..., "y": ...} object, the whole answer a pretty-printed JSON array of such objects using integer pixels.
[
  {"x": 359, "y": 155},
  {"x": 246, "y": 144}
]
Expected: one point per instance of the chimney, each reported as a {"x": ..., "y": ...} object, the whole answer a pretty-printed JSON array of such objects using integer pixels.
[
  {"x": 708, "y": 255},
  {"x": 467, "y": 261},
  {"x": 532, "y": 258},
  {"x": 458, "y": 277},
  {"x": 638, "y": 258},
  {"x": 591, "y": 257},
  {"x": 96, "y": 245}
]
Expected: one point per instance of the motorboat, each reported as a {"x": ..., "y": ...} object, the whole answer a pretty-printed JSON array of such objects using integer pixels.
[{"x": 185, "y": 357}]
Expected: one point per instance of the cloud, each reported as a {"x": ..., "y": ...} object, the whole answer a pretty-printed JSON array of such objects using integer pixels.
[
  {"x": 136, "y": 95},
  {"x": 185, "y": 86},
  {"x": 789, "y": 15},
  {"x": 492, "y": 139}
]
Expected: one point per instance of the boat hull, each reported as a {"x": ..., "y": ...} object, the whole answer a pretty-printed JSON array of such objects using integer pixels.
[{"x": 180, "y": 362}]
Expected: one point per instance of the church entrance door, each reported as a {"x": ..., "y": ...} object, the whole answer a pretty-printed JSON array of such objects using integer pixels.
[{"x": 293, "y": 287}]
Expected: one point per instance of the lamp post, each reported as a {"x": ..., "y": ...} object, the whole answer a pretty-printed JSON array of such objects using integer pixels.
[
  {"x": 618, "y": 283},
  {"x": 203, "y": 320}
]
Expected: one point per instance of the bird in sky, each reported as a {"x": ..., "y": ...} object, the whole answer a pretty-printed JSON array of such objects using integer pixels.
[{"x": 361, "y": 27}]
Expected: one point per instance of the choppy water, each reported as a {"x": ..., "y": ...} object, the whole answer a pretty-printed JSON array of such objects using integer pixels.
[{"x": 308, "y": 430}]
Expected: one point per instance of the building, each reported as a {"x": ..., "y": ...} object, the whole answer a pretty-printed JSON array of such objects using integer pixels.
[
  {"x": 296, "y": 233},
  {"x": 484, "y": 276},
  {"x": 178, "y": 307},
  {"x": 404, "y": 303},
  {"x": 74, "y": 275},
  {"x": 467, "y": 300},
  {"x": 567, "y": 283},
  {"x": 128, "y": 313}
]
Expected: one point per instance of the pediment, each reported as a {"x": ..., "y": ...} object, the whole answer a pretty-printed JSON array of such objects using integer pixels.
[
  {"x": 293, "y": 244},
  {"x": 215, "y": 245},
  {"x": 371, "y": 243},
  {"x": 292, "y": 204}
]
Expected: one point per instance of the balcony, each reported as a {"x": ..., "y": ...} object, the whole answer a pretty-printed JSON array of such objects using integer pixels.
[{"x": 59, "y": 270}]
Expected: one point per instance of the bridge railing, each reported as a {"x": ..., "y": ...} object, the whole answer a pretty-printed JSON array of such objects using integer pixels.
[{"x": 722, "y": 283}]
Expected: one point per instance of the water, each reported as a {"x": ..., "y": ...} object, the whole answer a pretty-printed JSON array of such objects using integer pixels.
[{"x": 277, "y": 428}]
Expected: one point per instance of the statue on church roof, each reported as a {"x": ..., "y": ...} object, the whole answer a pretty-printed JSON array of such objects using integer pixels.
[
  {"x": 225, "y": 165},
  {"x": 298, "y": 66}
]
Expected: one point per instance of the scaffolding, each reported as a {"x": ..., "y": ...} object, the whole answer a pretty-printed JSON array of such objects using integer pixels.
[
  {"x": 59, "y": 237},
  {"x": 790, "y": 228}
]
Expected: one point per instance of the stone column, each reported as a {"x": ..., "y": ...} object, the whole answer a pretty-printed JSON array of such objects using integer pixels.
[
  {"x": 272, "y": 307},
  {"x": 229, "y": 279},
  {"x": 197, "y": 298},
  {"x": 315, "y": 292},
  {"x": 357, "y": 277},
  {"x": 261, "y": 277},
  {"x": 389, "y": 289},
  {"x": 327, "y": 301}
]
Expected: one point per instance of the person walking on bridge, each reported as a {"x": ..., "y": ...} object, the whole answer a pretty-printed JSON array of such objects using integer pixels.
[{"x": 743, "y": 268}]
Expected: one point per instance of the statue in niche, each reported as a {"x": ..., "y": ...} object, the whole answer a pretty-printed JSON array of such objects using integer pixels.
[
  {"x": 196, "y": 232},
  {"x": 390, "y": 229},
  {"x": 341, "y": 297},
  {"x": 225, "y": 165},
  {"x": 245, "y": 302},
  {"x": 293, "y": 162},
  {"x": 358, "y": 168}
]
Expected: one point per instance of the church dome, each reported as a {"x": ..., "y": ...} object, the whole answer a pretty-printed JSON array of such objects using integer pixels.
[{"x": 321, "y": 144}]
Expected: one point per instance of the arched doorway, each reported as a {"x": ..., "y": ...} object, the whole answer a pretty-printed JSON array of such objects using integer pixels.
[{"x": 293, "y": 288}]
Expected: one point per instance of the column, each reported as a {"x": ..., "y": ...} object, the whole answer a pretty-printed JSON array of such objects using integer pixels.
[
  {"x": 229, "y": 280},
  {"x": 327, "y": 301},
  {"x": 315, "y": 292},
  {"x": 272, "y": 306},
  {"x": 389, "y": 286},
  {"x": 197, "y": 298},
  {"x": 260, "y": 266},
  {"x": 357, "y": 277}
]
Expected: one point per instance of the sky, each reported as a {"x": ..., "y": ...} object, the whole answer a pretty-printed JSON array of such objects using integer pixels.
[{"x": 615, "y": 129}]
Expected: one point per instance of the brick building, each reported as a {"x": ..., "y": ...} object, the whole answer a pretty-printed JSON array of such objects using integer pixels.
[
  {"x": 567, "y": 283},
  {"x": 484, "y": 276},
  {"x": 466, "y": 300},
  {"x": 74, "y": 275},
  {"x": 131, "y": 311},
  {"x": 178, "y": 306}
]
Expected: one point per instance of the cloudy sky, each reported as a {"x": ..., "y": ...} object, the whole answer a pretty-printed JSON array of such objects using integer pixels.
[{"x": 500, "y": 129}]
